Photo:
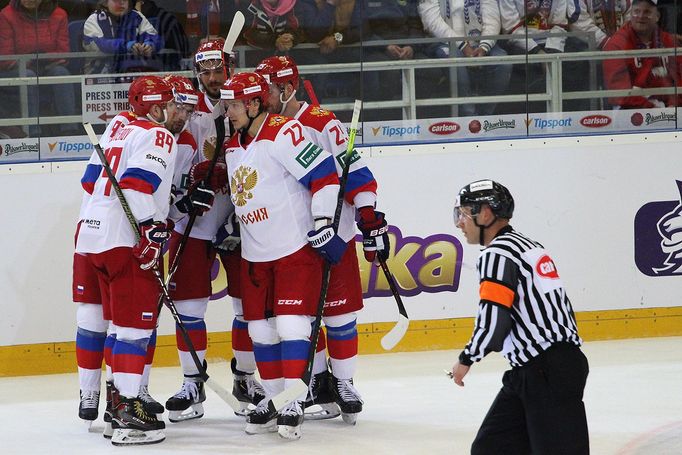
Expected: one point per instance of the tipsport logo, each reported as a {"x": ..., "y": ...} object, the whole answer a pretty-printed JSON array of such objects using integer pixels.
[
  {"x": 431, "y": 264},
  {"x": 658, "y": 237}
]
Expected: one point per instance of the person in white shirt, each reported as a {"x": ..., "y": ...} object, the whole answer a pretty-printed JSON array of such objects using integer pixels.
[{"x": 471, "y": 19}]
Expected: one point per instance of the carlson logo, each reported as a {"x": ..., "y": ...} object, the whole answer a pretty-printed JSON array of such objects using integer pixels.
[
  {"x": 444, "y": 128},
  {"x": 546, "y": 268},
  {"x": 595, "y": 121}
]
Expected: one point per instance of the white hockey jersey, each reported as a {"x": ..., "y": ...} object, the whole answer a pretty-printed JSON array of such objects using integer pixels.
[
  {"x": 202, "y": 127},
  {"x": 187, "y": 149},
  {"x": 279, "y": 183},
  {"x": 328, "y": 132},
  {"x": 457, "y": 18},
  {"x": 142, "y": 157}
]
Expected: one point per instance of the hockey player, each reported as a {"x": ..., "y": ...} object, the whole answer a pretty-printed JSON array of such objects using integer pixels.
[
  {"x": 284, "y": 188},
  {"x": 92, "y": 342},
  {"x": 344, "y": 296},
  {"x": 190, "y": 287},
  {"x": 142, "y": 156}
]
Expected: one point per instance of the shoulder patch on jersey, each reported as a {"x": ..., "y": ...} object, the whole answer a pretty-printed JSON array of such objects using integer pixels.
[
  {"x": 308, "y": 155},
  {"x": 276, "y": 120},
  {"x": 341, "y": 157},
  {"x": 316, "y": 117},
  {"x": 185, "y": 137},
  {"x": 271, "y": 127}
]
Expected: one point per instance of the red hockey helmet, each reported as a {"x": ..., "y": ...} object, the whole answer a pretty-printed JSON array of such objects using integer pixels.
[
  {"x": 278, "y": 70},
  {"x": 209, "y": 55},
  {"x": 146, "y": 91},
  {"x": 246, "y": 86},
  {"x": 183, "y": 90}
]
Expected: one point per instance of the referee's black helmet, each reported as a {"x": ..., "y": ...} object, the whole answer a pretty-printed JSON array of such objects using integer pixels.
[{"x": 486, "y": 191}]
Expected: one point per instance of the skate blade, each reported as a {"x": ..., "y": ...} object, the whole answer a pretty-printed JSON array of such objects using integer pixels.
[
  {"x": 350, "y": 419},
  {"x": 128, "y": 437},
  {"x": 289, "y": 433},
  {"x": 245, "y": 409},
  {"x": 108, "y": 431},
  {"x": 322, "y": 411},
  {"x": 195, "y": 411},
  {"x": 87, "y": 424},
  {"x": 261, "y": 428}
]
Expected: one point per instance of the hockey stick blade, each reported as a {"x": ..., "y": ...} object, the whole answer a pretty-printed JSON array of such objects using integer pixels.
[
  {"x": 224, "y": 394},
  {"x": 234, "y": 32},
  {"x": 393, "y": 337},
  {"x": 298, "y": 389}
]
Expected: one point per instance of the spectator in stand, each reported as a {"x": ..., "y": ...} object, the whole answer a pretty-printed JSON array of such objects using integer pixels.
[
  {"x": 271, "y": 25},
  {"x": 472, "y": 19},
  {"x": 642, "y": 32},
  {"x": 123, "y": 33},
  {"x": 330, "y": 24},
  {"x": 170, "y": 30},
  {"x": 29, "y": 27},
  {"x": 602, "y": 18},
  {"x": 525, "y": 18},
  {"x": 388, "y": 20}
]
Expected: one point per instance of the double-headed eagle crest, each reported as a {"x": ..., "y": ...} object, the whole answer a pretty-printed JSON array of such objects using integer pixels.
[{"x": 242, "y": 183}]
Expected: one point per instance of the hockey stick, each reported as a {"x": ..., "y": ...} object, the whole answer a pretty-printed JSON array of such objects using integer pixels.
[
  {"x": 301, "y": 386},
  {"x": 310, "y": 91},
  {"x": 230, "y": 41},
  {"x": 217, "y": 388},
  {"x": 398, "y": 331}
]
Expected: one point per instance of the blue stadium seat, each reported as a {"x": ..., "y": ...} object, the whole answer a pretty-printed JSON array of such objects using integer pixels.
[{"x": 76, "y": 45}]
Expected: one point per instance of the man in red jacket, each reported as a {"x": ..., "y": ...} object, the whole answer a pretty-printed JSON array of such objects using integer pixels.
[
  {"x": 642, "y": 32},
  {"x": 30, "y": 27}
]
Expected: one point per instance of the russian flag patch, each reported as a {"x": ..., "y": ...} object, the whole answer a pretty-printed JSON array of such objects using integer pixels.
[
  {"x": 80, "y": 289},
  {"x": 147, "y": 315}
]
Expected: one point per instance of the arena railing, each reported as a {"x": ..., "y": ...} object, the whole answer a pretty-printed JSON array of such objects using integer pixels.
[{"x": 552, "y": 96}]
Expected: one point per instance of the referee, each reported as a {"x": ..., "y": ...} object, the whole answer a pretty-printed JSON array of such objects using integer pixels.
[{"x": 525, "y": 313}]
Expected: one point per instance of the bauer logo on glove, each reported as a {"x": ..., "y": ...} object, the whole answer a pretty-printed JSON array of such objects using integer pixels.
[
  {"x": 374, "y": 230},
  {"x": 153, "y": 234}
]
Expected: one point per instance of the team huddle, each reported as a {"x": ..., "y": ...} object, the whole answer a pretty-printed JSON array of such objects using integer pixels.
[{"x": 242, "y": 170}]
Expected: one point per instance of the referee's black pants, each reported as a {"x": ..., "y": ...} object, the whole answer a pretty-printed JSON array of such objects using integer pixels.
[{"x": 540, "y": 408}]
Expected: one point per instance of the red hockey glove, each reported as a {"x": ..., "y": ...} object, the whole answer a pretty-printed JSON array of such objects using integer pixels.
[
  {"x": 374, "y": 234},
  {"x": 153, "y": 234},
  {"x": 199, "y": 171}
]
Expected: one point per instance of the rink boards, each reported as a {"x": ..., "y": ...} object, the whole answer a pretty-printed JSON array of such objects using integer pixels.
[{"x": 606, "y": 207}]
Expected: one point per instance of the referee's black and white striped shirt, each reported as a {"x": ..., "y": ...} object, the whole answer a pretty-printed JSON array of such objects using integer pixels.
[{"x": 519, "y": 279}]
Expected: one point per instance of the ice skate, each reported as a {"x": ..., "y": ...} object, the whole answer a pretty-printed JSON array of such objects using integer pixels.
[
  {"x": 108, "y": 431},
  {"x": 133, "y": 425},
  {"x": 320, "y": 404},
  {"x": 246, "y": 389},
  {"x": 348, "y": 399},
  {"x": 150, "y": 404},
  {"x": 262, "y": 419},
  {"x": 187, "y": 403},
  {"x": 87, "y": 409},
  {"x": 290, "y": 420}
]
